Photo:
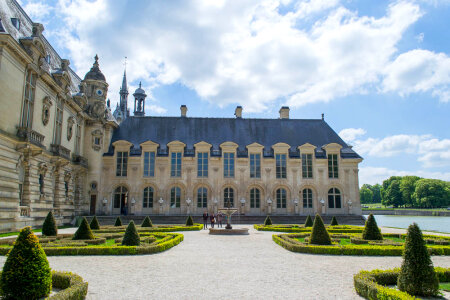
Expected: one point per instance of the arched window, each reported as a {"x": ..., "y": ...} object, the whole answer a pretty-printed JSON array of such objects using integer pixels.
[
  {"x": 148, "y": 197},
  {"x": 255, "y": 198},
  {"x": 202, "y": 197},
  {"x": 307, "y": 198},
  {"x": 281, "y": 198},
  {"x": 175, "y": 197},
  {"x": 228, "y": 197},
  {"x": 334, "y": 198},
  {"x": 120, "y": 198}
]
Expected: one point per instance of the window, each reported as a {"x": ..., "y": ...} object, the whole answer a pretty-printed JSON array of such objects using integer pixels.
[
  {"x": 120, "y": 197},
  {"x": 149, "y": 164},
  {"x": 175, "y": 166},
  {"x": 58, "y": 125},
  {"x": 307, "y": 198},
  {"x": 41, "y": 184},
  {"x": 280, "y": 165},
  {"x": 175, "y": 197},
  {"x": 281, "y": 198},
  {"x": 202, "y": 164},
  {"x": 21, "y": 194},
  {"x": 148, "y": 198},
  {"x": 228, "y": 165},
  {"x": 202, "y": 197},
  {"x": 307, "y": 166},
  {"x": 228, "y": 197},
  {"x": 78, "y": 139},
  {"x": 334, "y": 198},
  {"x": 16, "y": 23},
  {"x": 66, "y": 188},
  {"x": 121, "y": 166},
  {"x": 332, "y": 166},
  {"x": 28, "y": 106},
  {"x": 255, "y": 165},
  {"x": 255, "y": 197},
  {"x": 97, "y": 141}
]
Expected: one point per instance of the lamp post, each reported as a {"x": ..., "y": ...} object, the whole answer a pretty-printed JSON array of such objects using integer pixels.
[
  {"x": 242, "y": 208},
  {"x": 188, "y": 202},
  {"x": 349, "y": 202},
  {"x": 269, "y": 204},
  {"x": 105, "y": 201},
  {"x": 215, "y": 201},
  {"x": 296, "y": 205},
  {"x": 323, "y": 205},
  {"x": 133, "y": 202},
  {"x": 160, "y": 201}
]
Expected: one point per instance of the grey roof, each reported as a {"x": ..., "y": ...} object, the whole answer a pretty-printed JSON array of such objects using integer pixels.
[
  {"x": 95, "y": 73},
  {"x": 242, "y": 131}
]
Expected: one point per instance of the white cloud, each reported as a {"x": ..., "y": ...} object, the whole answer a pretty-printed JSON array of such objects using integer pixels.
[
  {"x": 37, "y": 10},
  {"x": 373, "y": 175},
  {"x": 350, "y": 134}
]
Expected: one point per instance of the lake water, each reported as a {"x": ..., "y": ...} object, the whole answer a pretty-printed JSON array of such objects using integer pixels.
[{"x": 441, "y": 224}]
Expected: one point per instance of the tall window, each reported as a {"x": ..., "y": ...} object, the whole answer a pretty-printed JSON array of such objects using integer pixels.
[
  {"x": 255, "y": 165},
  {"x": 334, "y": 198},
  {"x": 120, "y": 197},
  {"x": 175, "y": 165},
  {"x": 202, "y": 197},
  {"x": 202, "y": 164},
  {"x": 66, "y": 188},
  {"x": 307, "y": 198},
  {"x": 78, "y": 139},
  {"x": 121, "y": 166},
  {"x": 281, "y": 165},
  {"x": 149, "y": 164},
  {"x": 228, "y": 197},
  {"x": 148, "y": 197},
  {"x": 27, "y": 113},
  {"x": 175, "y": 197},
  {"x": 255, "y": 198},
  {"x": 58, "y": 125},
  {"x": 281, "y": 198},
  {"x": 41, "y": 184},
  {"x": 332, "y": 166},
  {"x": 228, "y": 164},
  {"x": 307, "y": 166}
]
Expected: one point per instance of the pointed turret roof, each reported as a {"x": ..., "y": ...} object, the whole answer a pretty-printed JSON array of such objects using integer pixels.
[
  {"x": 124, "y": 87},
  {"x": 95, "y": 72}
]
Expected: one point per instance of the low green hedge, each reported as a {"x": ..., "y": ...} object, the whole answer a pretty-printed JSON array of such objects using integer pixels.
[
  {"x": 373, "y": 284},
  {"x": 171, "y": 228},
  {"x": 297, "y": 228}
]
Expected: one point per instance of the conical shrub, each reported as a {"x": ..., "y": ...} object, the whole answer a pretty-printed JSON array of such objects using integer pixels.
[
  {"x": 147, "y": 222},
  {"x": 118, "y": 222},
  {"x": 49, "y": 227},
  {"x": 309, "y": 221},
  {"x": 94, "y": 224},
  {"x": 417, "y": 276},
  {"x": 189, "y": 221},
  {"x": 319, "y": 235},
  {"x": 268, "y": 221},
  {"x": 371, "y": 230},
  {"x": 26, "y": 273},
  {"x": 334, "y": 221},
  {"x": 83, "y": 232},
  {"x": 131, "y": 237}
]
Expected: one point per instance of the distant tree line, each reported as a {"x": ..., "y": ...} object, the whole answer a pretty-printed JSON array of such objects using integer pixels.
[{"x": 408, "y": 191}]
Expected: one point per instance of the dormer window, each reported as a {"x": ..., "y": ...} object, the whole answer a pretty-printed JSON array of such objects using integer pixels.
[
  {"x": 16, "y": 23},
  {"x": 1, "y": 26},
  {"x": 48, "y": 58}
]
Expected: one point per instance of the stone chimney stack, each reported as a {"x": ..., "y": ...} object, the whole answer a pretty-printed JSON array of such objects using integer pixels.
[
  {"x": 238, "y": 112},
  {"x": 183, "y": 109},
  {"x": 284, "y": 112}
]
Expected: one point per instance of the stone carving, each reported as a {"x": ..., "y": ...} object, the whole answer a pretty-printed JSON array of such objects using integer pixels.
[
  {"x": 42, "y": 168},
  {"x": 46, "y": 104},
  {"x": 70, "y": 123}
]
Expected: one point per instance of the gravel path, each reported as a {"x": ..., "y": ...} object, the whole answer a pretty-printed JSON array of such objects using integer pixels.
[{"x": 224, "y": 267}]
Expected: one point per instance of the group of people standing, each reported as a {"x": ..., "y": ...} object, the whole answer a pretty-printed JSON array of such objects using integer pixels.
[{"x": 213, "y": 219}]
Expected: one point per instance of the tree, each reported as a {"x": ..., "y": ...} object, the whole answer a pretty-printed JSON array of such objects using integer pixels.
[
  {"x": 366, "y": 195},
  {"x": 385, "y": 185},
  {"x": 407, "y": 188},
  {"x": 432, "y": 193},
  {"x": 49, "y": 227},
  {"x": 371, "y": 230},
  {"x": 417, "y": 276},
  {"x": 267, "y": 221},
  {"x": 309, "y": 221},
  {"x": 189, "y": 221},
  {"x": 26, "y": 273},
  {"x": 131, "y": 237},
  {"x": 334, "y": 221},
  {"x": 319, "y": 234},
  {"x": 147, "y": 222},
  {"x": 94, "y": 224},
  {"x": 118, "y": 222},
  {"x": 393, "y": 195},
  {"x": 83, "y": 232},
  {"x": 376, "y": 190}
]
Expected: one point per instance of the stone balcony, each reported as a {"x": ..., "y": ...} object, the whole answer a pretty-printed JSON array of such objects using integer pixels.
[
  {"x": 28, "y": 135},
  {"x": 80, "y": 160},
  {"x": 59, "y": 150}
]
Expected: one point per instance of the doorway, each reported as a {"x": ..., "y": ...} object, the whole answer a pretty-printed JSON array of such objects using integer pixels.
[
  {"x": 93, "y": 205},
  {"x": 120, "y": 201}
]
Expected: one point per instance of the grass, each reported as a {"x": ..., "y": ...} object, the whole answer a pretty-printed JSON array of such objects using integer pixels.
[
  {"x": 444, "y": 286},
  {"x": 34, "y": 230}
]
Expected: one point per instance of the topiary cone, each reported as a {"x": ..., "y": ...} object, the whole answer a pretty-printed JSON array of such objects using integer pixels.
[
  {"x": 417, "y": 276},
  {"x": 147, "y": 222},
  {"x": 189, "y": 221},
  {"x": 319, "y": 235},
  {"x": 118, "y": 222},
  {"x": 131, "y": 237},
  {"x": 83, "y": 232},
  {"x": 49, "y": 227},
  {"x": 267, "y": 221},
  {"x": 334, "y": 221},
  {"x": 94, "y": 224},
  {"x": 371, "y": 230},
  {"x": 309, "y": 221},
  {"x": 26, "y": 273}
]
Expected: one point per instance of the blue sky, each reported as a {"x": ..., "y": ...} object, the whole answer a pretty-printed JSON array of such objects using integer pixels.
[{"x": 379, "y": 70}]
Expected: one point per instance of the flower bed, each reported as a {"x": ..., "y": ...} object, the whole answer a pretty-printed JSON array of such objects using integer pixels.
[{"x": 301, "y": 228}]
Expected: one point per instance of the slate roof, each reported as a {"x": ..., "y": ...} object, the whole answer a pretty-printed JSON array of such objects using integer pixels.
[{"x": 242, "y": 131}]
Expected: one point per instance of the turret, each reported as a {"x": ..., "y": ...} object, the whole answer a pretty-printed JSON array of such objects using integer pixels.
[
  {"x": 139, "y": 101},
  {"x": 96, "y": 90}
]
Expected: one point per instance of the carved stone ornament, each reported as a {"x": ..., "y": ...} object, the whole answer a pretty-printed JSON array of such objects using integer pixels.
[
  {"x": 42, "y": 168},
  {"x": 46, "y": 104},
  {"x": 70, "y": 123},
  {"x": 67, "y": 176},
  {"x": 97, "y": 136}
]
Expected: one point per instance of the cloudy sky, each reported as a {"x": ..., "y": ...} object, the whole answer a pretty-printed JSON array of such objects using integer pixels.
[{"x": 379, "y": 70}]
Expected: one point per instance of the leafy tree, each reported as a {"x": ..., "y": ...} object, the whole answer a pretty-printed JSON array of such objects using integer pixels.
[
  {"x": 309, "y": 221},
  {"x": 131, "y": 237},
  {"x": 319, "y": 234},
  {"x": 267, "y": 221},
  {"x": 118, "y": 222},
  {"x": 432, "y": 193},
  {"x": 371, "y": 230},
  {"x": 94, "y": 224},
  {"x": 334, "y": 221},
  {"x": 407, "y": 188},
  {"x": 49, "y": 227},
  {"x": 366, "y": 195},
  {"x": 189, "y": 221},
  {"x": 393, "y": 195},
  {"x": 147, "y": 222},
  {"x": 376, "y": 190},
  {"x": 385, "y": 185},
  {"x": 83, "y": 232}
]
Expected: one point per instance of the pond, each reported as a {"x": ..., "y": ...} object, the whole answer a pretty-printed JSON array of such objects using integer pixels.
[{"x": 441, "y": 224}]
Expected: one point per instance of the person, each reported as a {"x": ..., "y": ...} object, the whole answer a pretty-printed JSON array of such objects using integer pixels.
[
  {"x": 219, "y": 220},
  {"x": 205, "y": 220},
  {"x": 212, "y": 220}
]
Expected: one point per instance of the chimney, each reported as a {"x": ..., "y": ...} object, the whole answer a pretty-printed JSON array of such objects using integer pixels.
[
  {"x": 238, "y": 112},
  {"x": 284, "y": 112},
  {"x": 183, "y": 109}
]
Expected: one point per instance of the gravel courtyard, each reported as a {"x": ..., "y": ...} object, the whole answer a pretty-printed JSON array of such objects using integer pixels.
[{"x": 223, "y": 267}]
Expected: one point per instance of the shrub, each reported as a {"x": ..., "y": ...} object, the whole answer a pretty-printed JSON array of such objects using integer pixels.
[
  {"x": 118, "y": 222},
  {"x": 267, "y": 221},
  {"x": 131, "y": 237},
  {"x": 309, "y": 221},
  {"x": 83, "y": 232},
  {"x": 371, "y": 230},
  {"x": 334, "y": 222},
  {"x": 49, "y": 227},
  {"x": 26, "y": 273},
  {"x": 189, "y": 221},
  {"x": 319, "y": 235},
  {"x": 417, "y": 276},
  {"x": 94, "y": 224},
  {"x": 147, "y": 222}
]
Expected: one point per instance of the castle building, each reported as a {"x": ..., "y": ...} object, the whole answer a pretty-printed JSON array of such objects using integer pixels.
[{"x": 62, "y": 149}]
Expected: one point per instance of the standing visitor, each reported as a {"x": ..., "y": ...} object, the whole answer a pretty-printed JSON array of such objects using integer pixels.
[
  {"x": 219, "y": 220},
  {"x": 205, "y": 220},
  {"x": 213, "y": 220}
]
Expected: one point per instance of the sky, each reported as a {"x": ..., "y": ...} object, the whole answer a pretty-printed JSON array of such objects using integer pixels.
[{"x": 378, "y": 70}]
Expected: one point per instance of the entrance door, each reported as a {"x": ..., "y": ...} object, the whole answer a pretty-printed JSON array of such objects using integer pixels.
[
  {"x": 93, "y": 204},
  {"x": 120, "y": 200},
  {"x": 255, "y": 201}
]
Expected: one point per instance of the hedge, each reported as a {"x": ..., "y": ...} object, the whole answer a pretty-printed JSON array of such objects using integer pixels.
[
  {"x": 373, "y": 284},
  {"x": 140, "y": 229},
  {"x": 290, "y": 228}
]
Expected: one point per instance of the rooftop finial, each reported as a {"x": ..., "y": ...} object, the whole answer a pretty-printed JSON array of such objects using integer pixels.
[
  {"x": 140, "y": 83},
  {"x": 323, "y": 116},
  {"x": 96, "y": 58}
]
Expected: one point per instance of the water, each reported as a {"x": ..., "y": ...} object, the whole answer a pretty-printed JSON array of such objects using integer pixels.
[{"x": 441, "y": 224}]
